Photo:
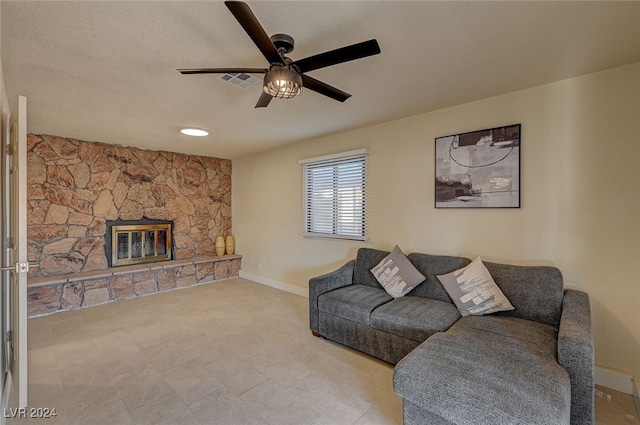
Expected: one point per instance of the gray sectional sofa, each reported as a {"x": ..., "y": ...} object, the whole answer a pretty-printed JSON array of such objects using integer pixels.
[{"x": 532, "y": 365}]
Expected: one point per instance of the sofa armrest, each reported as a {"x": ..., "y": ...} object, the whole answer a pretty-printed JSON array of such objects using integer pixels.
[
  {"x": 575, "y": 354},
  {"x": 320, "y": 284}
]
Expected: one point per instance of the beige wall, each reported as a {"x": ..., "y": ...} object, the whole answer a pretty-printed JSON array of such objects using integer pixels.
[{"x": 580, "y": 198}]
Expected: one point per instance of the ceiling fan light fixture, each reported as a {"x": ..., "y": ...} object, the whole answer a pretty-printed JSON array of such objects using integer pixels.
[
  {"x": 192, "y": 131},
  {"x": 282, "y": 82}
]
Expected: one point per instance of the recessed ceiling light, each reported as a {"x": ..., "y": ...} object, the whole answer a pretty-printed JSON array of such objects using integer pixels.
[{"x": 198, "y": 132}]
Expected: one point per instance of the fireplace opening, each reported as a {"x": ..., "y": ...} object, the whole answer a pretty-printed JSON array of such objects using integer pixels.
[{"x": 138, "y": 242}]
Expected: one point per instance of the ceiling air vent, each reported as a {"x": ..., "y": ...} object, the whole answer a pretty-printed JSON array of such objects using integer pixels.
[{"x": 241, "y": 79}]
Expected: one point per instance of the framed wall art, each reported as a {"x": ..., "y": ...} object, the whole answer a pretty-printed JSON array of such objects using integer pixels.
[{"x": 479, "y": 169}]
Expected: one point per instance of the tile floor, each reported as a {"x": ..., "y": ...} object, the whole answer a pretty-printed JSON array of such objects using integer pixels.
[{"x": 229, "y": 353}]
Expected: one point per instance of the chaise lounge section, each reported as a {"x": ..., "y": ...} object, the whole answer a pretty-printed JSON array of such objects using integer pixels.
[{"x": 530, "y": 365}]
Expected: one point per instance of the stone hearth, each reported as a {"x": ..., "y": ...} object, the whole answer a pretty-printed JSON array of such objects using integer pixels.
[{"x": 50, "y": 294}]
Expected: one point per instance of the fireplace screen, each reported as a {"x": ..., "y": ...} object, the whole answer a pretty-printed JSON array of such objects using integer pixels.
[{"x": 140, "y": 243}]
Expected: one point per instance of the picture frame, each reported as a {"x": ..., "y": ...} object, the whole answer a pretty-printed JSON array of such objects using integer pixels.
[{"x": 479, "y": 169}]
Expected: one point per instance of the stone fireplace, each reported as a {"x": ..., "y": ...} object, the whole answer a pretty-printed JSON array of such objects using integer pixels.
[
  {"x": 77, "y": 188},
  {"x": 137, "y": 242}
]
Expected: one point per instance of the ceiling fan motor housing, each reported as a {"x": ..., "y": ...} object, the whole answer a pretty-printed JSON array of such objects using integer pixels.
[{"x": 283, "y": 42}]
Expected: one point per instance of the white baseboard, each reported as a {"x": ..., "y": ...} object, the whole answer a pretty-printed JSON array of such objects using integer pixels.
[
  {"x": 298, "y": 290},
  {"x": 615, "y": 380},
  {"x": 636, "y": 394}
]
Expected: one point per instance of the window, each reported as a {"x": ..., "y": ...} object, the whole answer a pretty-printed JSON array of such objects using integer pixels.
[{"x": 334, "y": 195}]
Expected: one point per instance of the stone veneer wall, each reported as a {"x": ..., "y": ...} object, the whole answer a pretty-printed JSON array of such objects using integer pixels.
[{"x": 75, "y": 186}]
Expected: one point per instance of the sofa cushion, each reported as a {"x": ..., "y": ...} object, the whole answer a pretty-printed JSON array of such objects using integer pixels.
[
  {"x": 396, "y": 274},
  {"x": 473, "y": 290},
  {"x": 431, "y": 266},
  {"x": 366, "y": 259},
  {"x": 536, "y": 292},
  {"x": 353, "y": 302},
  {"x": 415, "y": 318},
  {"x": 488, "y": 370}
]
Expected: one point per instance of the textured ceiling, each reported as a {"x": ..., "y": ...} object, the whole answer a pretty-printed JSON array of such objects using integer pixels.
[{"x": 106, "y": 71}]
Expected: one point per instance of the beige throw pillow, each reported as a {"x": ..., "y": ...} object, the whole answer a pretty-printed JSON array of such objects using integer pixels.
[{"x": 474, "y": 291}]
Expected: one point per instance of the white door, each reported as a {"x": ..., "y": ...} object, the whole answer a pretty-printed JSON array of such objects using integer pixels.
[{"x": 14, "y": 258}]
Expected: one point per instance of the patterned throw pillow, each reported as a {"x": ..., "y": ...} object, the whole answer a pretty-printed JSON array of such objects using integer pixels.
[
  {"x": 473, "y": 290},
  {"x": 396, "y": 274}
]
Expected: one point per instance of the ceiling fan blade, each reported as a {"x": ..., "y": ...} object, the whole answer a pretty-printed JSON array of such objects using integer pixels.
[
  {"x": 333, "y": 57},
  {"x": 223, "y": 71},
  {"x": 324, "y": 88},
  {"x": 264, "y": 100},
  {"x": 250, "y": 23}
]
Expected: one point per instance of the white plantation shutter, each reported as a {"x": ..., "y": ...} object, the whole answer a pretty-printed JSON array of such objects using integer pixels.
[{"x": 334, "y": 195}]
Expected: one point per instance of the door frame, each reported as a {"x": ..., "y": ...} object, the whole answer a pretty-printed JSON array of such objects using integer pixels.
[{"x": 14, "y": 255}]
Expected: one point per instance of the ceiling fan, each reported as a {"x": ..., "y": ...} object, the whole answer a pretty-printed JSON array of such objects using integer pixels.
[{"x": 285, "y": 78}]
